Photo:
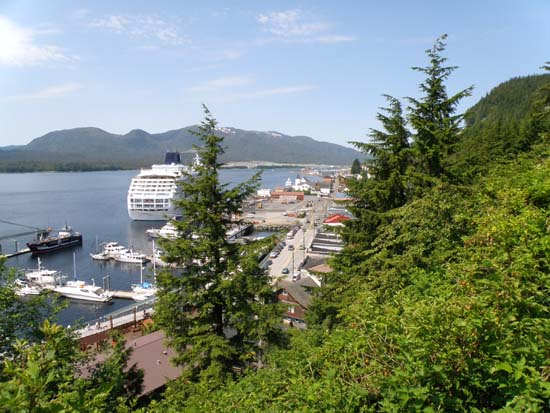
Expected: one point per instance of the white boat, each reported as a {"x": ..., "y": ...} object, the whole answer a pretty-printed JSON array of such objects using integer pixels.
[
  {"x": 80, "y": 290},
  {"x": 43, "y": 277},
  {"x": 23, "y": 288},
  {"x": 113, "y": 250},
  {"x": 131, "y": 257},
  {"x": 153, "y": 232},
  {"x": 157, "y": 260},
  {"x": 100, "y": 256},
  {"x": 152, "y": 190},
  {"x": 169, "y": 231}
]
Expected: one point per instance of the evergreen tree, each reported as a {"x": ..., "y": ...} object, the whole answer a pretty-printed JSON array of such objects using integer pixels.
[
  {"x": 433, "y": 116},
  {"x": 220, "y": 310},
  {"x": 356, "y": 167},
  {"x": 385, "y": 190}
]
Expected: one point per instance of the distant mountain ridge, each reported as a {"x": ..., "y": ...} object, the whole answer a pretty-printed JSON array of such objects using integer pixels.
[{"x": 136, "y": 148}]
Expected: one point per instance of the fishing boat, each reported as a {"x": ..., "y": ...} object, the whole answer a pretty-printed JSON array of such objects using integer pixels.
[{"x": 48, "y": 241}]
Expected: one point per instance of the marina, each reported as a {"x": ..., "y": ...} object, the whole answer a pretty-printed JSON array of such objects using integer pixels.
[{"x": 95, "y": 204}]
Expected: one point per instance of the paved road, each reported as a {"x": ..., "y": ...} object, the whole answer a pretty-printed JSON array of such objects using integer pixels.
[{"x": 292, "y": 259}]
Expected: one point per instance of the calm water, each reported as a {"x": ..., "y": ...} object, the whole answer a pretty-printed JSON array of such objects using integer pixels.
[{"x": 93, "y": 203}]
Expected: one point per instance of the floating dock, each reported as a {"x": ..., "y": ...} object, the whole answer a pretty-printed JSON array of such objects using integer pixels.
[{"x": 123, "y": 294}]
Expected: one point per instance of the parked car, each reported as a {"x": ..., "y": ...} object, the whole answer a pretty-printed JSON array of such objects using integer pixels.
[
  {"x": 274, "y": 254},
  {"x": 285, "y": 271}
]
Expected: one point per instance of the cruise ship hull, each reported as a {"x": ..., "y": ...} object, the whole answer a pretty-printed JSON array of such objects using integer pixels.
[{"x": 151, "y": 215}]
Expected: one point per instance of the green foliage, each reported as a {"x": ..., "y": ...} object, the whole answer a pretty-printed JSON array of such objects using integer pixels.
[
  {"x": 508, "y": 121},
  {"x": 42, "y": 377},
  {"x": 356, "y": 167},
  {"x": 21, "y": 318},
  {"x": 219, "y": 312},
  {"x": 439, "y": 302},
  {"x": 433, "y": 115}
]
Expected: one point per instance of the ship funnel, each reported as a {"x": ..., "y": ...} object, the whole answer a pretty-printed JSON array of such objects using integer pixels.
[{"x": 172, "y": 157}]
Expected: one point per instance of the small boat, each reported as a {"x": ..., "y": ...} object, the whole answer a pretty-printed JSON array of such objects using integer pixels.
[
  {"x": 157, "y": 260},
  {"x": 153, "y": 232},
  {"x": 23, "y": 288},
  {"x": 169, "y": 231},
  {"x": 131, "y": 257},
  {"x": 80, "y": 290},
  {"x": 145, "y": 288},
  {"x": 46, "y": 241},
  {"x": 100, "y": 256},
  {"x": 43, "y": 277},
  {"x": 113, "y": 250}
]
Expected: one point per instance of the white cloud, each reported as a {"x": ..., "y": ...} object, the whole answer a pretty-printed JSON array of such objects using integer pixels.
[
  {"x": 290, "y": 23},
  {"x": 335, "y": 38},
  {"x": 293, "y": 26},
  {"x": 19, "y": 47},
  {"x": 220, "y": 83},
  {"x": 142, "y": 27},
  {"x": 47, "y": 93},
  {"x": 287, "y": 90}
]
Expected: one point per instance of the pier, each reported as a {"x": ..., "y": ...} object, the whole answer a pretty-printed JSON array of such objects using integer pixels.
[
  {"x": 16, "y": 253},
  {"x": 13, "y": 236}
]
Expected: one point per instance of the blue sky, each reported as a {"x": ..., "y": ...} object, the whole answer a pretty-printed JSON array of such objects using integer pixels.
[{"x": 315, "y": 68}]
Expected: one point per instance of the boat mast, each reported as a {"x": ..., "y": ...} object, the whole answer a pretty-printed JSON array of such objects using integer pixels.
[
  {"x": 154, "y": 263},
  {"x": 74, "y": 265}
]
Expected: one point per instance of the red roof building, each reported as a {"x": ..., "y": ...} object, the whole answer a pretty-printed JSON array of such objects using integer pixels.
[{"x": 336, "y": 220}]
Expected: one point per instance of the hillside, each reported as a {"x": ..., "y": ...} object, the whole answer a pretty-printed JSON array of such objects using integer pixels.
[
  {"x": 501, "y": 124},
  {"x": 94, "y": 148},
  {"x": 511, "y": 100}
]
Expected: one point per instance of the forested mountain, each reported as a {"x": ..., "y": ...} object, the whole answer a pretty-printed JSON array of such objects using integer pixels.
[
  {"x": 500, "y": 125},
  {"x": 511, "y": 100},
  {"x": 93, "y": 148}
]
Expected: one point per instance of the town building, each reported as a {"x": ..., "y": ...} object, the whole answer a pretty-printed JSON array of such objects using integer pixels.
[
  {"x": 288, "y": 196},
  {"x": 296, "y": 297}
]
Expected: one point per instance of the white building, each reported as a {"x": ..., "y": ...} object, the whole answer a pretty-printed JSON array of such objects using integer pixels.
[
  {"x": 264, "y": 193},
  {"x": 301, "y": 184}
]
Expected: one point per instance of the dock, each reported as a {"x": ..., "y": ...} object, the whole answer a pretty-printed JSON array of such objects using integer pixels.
[
  {"x": 16, "y": 253},
  {"x": 122, "y": 294}
]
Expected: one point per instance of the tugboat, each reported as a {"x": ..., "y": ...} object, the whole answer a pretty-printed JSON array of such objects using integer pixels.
[{"x": 46, "y": 241}]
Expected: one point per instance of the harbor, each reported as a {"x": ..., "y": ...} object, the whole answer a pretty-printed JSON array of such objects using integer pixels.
[{"x": 93, "y": 203}]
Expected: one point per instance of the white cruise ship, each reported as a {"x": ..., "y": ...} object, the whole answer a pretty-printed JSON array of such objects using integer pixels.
[{"x": 152, "y": 190}]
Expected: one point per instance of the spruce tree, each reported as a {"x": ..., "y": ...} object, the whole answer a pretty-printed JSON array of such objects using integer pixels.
[
  {"x": 432, "y": 116},
  {"x": 385, "y": 190},
  {"x": 219, "y": 310},
  {"x": 356, "y": 167}
]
